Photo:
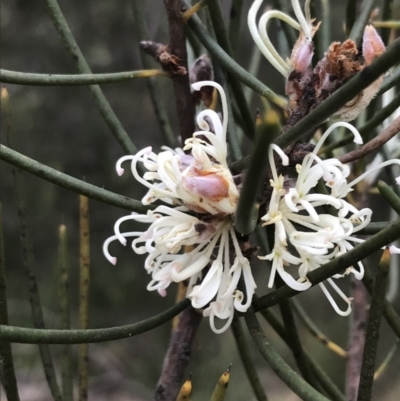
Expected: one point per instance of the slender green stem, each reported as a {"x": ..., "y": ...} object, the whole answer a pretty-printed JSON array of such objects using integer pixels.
[
  {"x": 230, "y": 65},
  {"x": 351, "y": 13},
  {"x": 25, "y": 78},
  {"x": 387, "y": 10},
  {"x": 278, "y": 365},
  {"x": 234, "y": 26},
  {"x": 63, "y": 273},
  {"x": 6, "y": 358},
  {"x": 51, "y": 336},
  {"x": 361, "y": 251},
  {"x": 246, "y": 215},
  {"x": 290, "y": 33},
  {"x": 390, "y": 196},
  {"x": 253, "y": 67},
  {"x": 68, "y": 182},
  {"x": 380, "y": 116},
  {"x": 29, "y": 259},
  {"x": 357, "y": 29},
  {"x": 102, "y": 103},
  {"x": 388, "y": 24},
  {"x": 315, "y": 331},
  {"x": 392, "y": 318},
  {"x": 373, "y": 228},
  {"x": 223, "y": 40},
  {"x": 84, "y": 286},
  {"x": 332, "y": 390},
  {"x": 373, "y": 328},
  {"x": 197, "y": 48},
  {"x": 233, "y": 140},
  {"x": 248, "y": 364},
  {"x": 154, "y": 89},
  {"x": 388, "y": 359},
  {"x": 292, "y": 337},
  {"x": 295, "y": 342},
  {"x": 325, "y": 28},
  {"x": 390, "y": 81}
]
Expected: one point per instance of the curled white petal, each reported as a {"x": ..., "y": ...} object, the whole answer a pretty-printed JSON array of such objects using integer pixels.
[
  {"x": 332, "y": 301},
  {"x": 394, "y": 250},
  {"x": 357, "y": 137}
]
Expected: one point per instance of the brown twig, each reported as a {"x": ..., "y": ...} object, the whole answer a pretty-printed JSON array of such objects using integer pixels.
[
  {"x": 178, "y": 355},
  {"x": 177, "y": 39},
  {"x": 387, "y": 134},
  {"x": 357, "y": 339}
]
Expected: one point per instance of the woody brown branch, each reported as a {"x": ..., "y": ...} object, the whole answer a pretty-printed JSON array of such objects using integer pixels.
[
  {"x": 178, "y": 355},
  {"x": 387, "y": 134},
  {"x": 177, "y": 43}
]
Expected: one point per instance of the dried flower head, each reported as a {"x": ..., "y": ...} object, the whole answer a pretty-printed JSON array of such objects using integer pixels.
[{"x": 306, "y": 86}]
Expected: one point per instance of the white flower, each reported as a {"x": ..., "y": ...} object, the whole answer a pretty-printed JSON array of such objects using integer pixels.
[
  {"x": 193, "y": 237},
  {"x": 300, "y": 227},
  {"x": 200, "y": 181}
]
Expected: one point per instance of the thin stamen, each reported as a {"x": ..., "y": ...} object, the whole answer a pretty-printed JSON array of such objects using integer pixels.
[
  {"x": 277, "y": 61},
  {"x": 107, "y": 242},
  {"x": 251, "y": 21},
  {"x": 378, "y": 167},
  {"x": 198, "y": 85},
  {"x": 357, "y": 137},
  {"x": 283, "y": 156},
  {"x": 305, "y": 26},
  {"x": 332, "y": 301}
]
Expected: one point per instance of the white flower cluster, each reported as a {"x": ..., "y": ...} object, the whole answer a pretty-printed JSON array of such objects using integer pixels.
[
  {"x": 305, "y": 236},
  {"x": 193, "y": 237}
]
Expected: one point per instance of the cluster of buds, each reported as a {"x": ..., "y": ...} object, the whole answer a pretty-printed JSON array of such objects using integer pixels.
[
  {"x": 192, "y": 237},
  {"x": 306, "y": 86}
]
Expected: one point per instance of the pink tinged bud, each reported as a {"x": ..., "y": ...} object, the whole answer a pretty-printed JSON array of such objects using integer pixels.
[
  {"x": 302, "y": 54},
  {"x": 372, "y": 44},
  {"x": 208, "y": 185},
  {"x": 162, "y": 292},
  {"x": 113, "y": 260}
]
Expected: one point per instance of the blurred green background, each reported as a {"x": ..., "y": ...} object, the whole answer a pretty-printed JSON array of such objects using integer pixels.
[{"x": 61, "y": 127}]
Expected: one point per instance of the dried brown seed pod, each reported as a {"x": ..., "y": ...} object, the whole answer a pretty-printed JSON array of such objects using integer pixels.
[
  {"x": 372, "y": 48},
  {"x": 307, "y": 88}
]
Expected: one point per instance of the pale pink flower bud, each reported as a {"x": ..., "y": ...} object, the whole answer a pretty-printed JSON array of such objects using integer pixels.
[{"x": 373, "y": 45}]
